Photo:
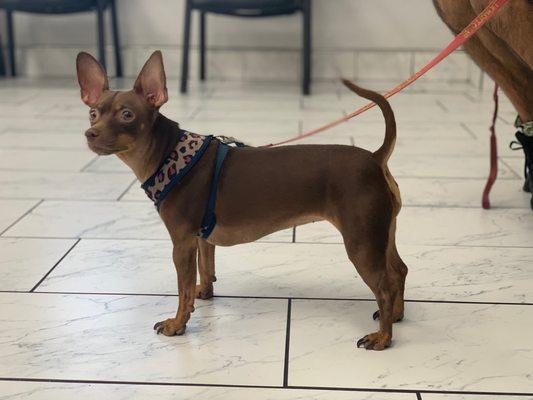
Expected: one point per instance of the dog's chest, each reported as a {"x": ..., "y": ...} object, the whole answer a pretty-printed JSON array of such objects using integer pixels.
[{"x": 175, "y": 166}]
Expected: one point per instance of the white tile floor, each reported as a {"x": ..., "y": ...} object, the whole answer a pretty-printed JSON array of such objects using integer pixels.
[{"x": 85, "y": 263}]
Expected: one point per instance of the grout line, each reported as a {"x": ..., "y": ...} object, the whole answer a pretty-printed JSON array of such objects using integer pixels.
[
  {"x": 470, "y": 97},
  {"x": 43, "y": 148},
  {"x": 469, "y": 72},
  {"x": 442, "y": 106},
  {"x": 270, "y": 242},
  {"x": 75, "y": 172},
  {"x": 89, "y": 164},
  {"x": 502, "y": 160},
  {"x": 476, "y": 207},
  {"x": 127, "y": 189},
  {"x": 501, "y": 119},
  {"x": 405, "y": 244},
  {"x": 194, "y": 113},
  {"x": 290, "y": 298},
  {"x": 397, "y": 176},
  {"x": 412, "y": 205},
  {"x": 121, "y": 238},
  {"x": 468, "y": 130},
  {"x": 65, "y": 199},
  {"x": 135, "y": 383},
  {"x": 412, "y": 63},
  {"x": 375, "y": 390},
  {"x": 458, "y": 178},
  {"x": 287, "y": 345},
  {"x": 214, "y": 385},
  {"x": 21, "y": 217},
  {"x": 418, "y": 396},
  {"x": 55, "y": 265},
  {"x": 113, "y": 200}
]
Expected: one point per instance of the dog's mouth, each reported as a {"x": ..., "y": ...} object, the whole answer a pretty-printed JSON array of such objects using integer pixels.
[{"x": 104, "y": 150}]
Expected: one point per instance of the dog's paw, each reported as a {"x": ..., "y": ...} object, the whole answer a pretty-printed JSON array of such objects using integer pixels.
[
  {"x": 375, "y": 341},
  {"x": 169, "y": 327},
  {"x": 204, "y": 292},
  {"x": 375, "y": 317}
]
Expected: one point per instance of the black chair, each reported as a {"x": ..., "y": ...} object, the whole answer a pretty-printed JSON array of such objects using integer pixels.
[
  {"x": 2, "y": 63},
  {"x": 245, "y": 8},
  {"x": 64, "y": 7}
]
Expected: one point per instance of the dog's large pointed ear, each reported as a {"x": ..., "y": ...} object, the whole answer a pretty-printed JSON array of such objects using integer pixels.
[
  {"x": 152, "y": 82},
  {"x": 91, "y": 77}
]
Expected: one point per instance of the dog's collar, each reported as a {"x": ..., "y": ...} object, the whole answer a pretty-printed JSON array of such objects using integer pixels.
[{"x": 175, "y": 166}]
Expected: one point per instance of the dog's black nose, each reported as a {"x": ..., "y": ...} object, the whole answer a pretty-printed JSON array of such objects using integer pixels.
[{"x": 91, "y": 134}]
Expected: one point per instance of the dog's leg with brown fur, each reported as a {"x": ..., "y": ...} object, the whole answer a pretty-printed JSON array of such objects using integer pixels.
[
  {"x": 184, "y": 256},
  {"x": 369, "y": 257},
  {"x": 398, "y": 271},
  {"x": 372, "y": 249},
  {"x": 206, "y": 268},
  {"x": 395, "y": 269}
]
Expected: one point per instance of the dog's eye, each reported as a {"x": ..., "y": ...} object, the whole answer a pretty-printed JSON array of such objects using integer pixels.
[
  {"x": 127, "y": 115},
  {"x": 93, "y": 114}
]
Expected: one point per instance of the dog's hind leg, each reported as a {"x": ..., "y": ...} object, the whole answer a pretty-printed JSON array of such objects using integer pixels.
[
  {"x": 206, "y": 268},
  {"x": 367, "y": 250},
  {"x": 398, "y": 272}
]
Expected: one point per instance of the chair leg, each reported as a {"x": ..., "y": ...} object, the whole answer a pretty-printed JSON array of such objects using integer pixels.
[
  {"x": 186, "y": 44},
  {"x": 116, "y": 39},
  {"x": 11, "y": 42},
  {"x": 306, "y": 78},
  {"x": 2, "y": 60},
  {"x": 101, "y": 33},
  {"x": 202, "y": 45}
]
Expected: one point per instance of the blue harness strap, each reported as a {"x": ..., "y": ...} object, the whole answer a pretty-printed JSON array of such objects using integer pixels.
[{"x": 209, "y": 220}]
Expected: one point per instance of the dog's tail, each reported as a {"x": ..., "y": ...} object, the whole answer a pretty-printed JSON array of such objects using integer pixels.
[{"x": 384, "y": 152}]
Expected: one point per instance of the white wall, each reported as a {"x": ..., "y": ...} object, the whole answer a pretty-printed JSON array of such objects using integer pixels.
[
  {"x": 357, "y": 38},
  {"x": 337, "y": 24}
]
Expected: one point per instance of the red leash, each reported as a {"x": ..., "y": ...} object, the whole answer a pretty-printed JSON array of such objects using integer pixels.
[
  {"x": 485, "y": 202},
  {"x": 461, "y": 38}
]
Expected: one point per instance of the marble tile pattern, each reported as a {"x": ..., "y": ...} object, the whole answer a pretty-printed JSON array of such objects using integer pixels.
[
  {"x": 86, "y": 265},
  {"x": 230, "y": 341},
  {"x": 25, "y": 261},
  {"x": 440, "y": 396},
  {"x": 44, "y": 160},
  {"x": 101, "y": 219},
  {"x": 63, "y": 185},
  {"x": 296, "y": 270},
  {"x": 13, "y": 210},
  {"x": 65, "y": 391},
  {"x": 445, "y": 226},
  {"x": 435, "y": 348}
]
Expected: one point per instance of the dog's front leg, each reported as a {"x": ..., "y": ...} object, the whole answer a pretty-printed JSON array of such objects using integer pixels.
[
  {"x": 206, "y": 267},
  {"x": 184, "y": 256}
]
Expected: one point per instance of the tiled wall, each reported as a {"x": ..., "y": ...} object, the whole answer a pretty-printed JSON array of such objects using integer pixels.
[
  {"x": 264, "y": 65},
  {"x": 373, "y": 40}
]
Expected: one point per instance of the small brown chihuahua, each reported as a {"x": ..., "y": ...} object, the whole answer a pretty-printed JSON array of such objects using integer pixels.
[{"x": 252, "y": 191}]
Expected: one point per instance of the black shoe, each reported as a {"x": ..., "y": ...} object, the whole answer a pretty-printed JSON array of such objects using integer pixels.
[{"x": 525, "y": 143}]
